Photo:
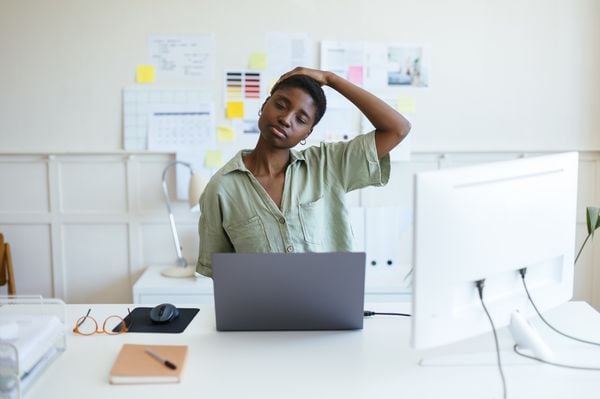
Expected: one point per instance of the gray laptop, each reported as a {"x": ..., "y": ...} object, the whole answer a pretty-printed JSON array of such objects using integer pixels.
[{"x": 302, "y": 291}]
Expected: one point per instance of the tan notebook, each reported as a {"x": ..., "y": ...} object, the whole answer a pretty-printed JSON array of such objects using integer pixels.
[{"x": 148, "y": 364}]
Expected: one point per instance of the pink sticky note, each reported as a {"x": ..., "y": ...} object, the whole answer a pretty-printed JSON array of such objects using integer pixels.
[{"x": 355, "y": 74}]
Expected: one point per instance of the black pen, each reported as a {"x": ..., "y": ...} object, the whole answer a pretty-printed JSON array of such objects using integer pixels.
[{"x": 164, "y": 361}]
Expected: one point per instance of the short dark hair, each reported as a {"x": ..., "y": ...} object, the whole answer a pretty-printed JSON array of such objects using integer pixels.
[{"x": 311, "y": 87}]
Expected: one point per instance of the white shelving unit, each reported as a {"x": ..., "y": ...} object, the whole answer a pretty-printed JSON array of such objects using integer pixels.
[{"x": 153, "y": 288}]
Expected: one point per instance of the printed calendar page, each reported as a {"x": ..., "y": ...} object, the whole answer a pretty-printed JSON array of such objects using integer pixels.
[{"x": 175, "y": 127}]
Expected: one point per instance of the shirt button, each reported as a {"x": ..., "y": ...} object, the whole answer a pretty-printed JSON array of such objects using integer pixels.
[
  {"x": 290, "y": 248},
  {"x": 282, "y": 220}
]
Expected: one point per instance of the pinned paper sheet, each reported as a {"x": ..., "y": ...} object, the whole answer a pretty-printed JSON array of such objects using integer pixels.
[
  {"x": 257, "y": 61},
  {"x": 405, "y": 104},
  {"x": 145, "y": 74},
  {"x": 355, "y": 74},
  {"x": 225, "y": 133},
  {"x": 213, "y": 159},
  {"x": 235, "y": 109}
]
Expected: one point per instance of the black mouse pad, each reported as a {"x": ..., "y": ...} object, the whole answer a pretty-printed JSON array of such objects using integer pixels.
[{"x": 139, "y": 321}]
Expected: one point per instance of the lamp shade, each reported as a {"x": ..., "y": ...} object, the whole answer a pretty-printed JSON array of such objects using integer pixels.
[{"x": 195, "y": 189}]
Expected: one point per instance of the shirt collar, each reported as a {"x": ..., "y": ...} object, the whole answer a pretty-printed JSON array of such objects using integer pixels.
[{"x": 237, "y": 162}]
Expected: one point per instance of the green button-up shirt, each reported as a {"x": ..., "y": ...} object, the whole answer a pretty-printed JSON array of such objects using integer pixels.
[{"x": 238, "y": 215}]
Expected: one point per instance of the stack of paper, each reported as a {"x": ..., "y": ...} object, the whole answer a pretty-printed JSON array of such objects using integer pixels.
[{"x": 36, "y": 337}]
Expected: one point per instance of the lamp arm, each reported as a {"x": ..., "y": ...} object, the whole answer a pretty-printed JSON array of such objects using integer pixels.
[{"x": 180, "y": 259}]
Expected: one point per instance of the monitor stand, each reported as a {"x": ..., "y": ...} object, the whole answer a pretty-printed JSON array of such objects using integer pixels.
[{"x": 525, "y": 337}]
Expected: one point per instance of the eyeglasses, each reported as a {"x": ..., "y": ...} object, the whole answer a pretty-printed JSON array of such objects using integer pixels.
[{"x": 113, "y": 325}]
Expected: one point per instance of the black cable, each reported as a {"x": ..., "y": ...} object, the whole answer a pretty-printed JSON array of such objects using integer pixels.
[
  {"x": 480, "y": 284},
  {"x": 522, "y": 273},
  {"x": 569, "y": 366},
  {"x": 368, "y": 313}
]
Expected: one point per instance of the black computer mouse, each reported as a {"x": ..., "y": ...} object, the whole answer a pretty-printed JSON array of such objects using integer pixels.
[{"x": 164, "y": 313}]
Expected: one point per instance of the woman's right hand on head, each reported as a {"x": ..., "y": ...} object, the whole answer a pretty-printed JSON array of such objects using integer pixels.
[{"x": 320, "y": 76}]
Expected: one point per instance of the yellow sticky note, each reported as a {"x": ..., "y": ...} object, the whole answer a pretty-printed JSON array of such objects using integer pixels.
[
  {"x": 213, "y": 159},
  {"x": 258, "y": 61},
  {"x": 235, "y": 109},
  {"x": 145, "y": 74},
  {"x": 225, "y": 133},
  {"x": 405, "y": 104}
]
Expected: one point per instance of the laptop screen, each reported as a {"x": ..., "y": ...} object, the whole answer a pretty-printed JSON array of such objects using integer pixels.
[{"x": 301, "y": 291}]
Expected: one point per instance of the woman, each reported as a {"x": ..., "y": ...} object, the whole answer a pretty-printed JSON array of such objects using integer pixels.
[{"x": 276, "y": 199}]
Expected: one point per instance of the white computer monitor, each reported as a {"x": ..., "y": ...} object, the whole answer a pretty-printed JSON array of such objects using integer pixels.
[{"x": 486, "y": 222}]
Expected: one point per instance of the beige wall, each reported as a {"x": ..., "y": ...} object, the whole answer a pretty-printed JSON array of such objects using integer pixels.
[
  {"x": 83, "y": 227},
  {"x": 506, "y": 74}
]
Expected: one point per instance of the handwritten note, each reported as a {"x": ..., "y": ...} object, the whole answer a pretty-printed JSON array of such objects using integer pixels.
[{"x": 183, "y": 57}]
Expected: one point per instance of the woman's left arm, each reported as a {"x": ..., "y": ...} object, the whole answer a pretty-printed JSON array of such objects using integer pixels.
[{"x": 390, "y": 126}]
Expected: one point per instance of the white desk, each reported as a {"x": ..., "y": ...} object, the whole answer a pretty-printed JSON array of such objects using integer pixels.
[{"x": 375, "y": 362}]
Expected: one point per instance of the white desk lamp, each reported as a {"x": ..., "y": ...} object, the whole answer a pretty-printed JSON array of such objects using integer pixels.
[{"x": 196, "y": 186}]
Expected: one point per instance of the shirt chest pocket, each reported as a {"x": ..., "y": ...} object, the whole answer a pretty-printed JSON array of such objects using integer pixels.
[
  {"x": 312, "y": 220},
  {"x": 248, "y": 236}
]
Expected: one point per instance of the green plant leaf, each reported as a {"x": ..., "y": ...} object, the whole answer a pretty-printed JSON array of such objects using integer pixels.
[{"x": 593, "y": 219}]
